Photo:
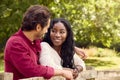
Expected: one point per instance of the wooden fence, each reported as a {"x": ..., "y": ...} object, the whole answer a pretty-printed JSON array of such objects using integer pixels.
[{"x": 85, "y": 75}]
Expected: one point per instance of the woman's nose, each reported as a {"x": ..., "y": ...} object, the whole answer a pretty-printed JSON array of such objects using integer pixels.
[{"x": 57, "y": 34}]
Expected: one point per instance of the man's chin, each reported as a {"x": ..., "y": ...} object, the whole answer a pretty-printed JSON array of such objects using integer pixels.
[
  {"x": 41, "y": 37},
  {"x": 38, "y": 38}
]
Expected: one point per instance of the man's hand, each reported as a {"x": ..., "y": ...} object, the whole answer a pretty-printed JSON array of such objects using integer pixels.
[
  {"x": 65, "y": 73},
  {"x": 74, "y": 72},
  {"x": 80, "y": 52},
  {"x": 68, "y": 74}
]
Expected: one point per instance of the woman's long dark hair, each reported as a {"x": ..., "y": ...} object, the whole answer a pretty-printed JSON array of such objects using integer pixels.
[{"x": 67, "y": 49}]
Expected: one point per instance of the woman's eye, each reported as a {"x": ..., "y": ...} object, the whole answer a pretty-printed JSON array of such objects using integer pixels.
[
  {"x": 62, "y": 32},
  {"x": 52, "y": 30}
]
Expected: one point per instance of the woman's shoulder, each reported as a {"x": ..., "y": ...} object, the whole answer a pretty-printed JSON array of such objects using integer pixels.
[
  {"x": 44, "y": 44},
  {"x": 46, "y": 47}
]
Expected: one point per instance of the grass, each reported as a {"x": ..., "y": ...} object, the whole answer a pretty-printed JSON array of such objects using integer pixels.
[
  {"x": 104, "y": 63},
  {"x": 100, "y": 52},
  {"x": 1, "y": 62},
  {"x": 102, "y": 58},
  {"x": 1, "y": 65}
]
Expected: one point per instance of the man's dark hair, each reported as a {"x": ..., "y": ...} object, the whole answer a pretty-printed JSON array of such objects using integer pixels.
[{"x": 34, "y": 15}]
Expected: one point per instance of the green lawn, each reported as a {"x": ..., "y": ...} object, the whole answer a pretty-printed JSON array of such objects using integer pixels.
[
  {"x": 104, "y": 63},
  {"x": 1, "y": 65},
  {"x": 1, "y": 62}
]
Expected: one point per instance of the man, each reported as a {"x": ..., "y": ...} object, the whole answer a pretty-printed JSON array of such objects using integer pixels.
[{"x": 22, "y": 48}]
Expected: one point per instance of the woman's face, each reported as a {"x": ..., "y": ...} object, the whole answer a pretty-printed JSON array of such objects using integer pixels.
[{"x": 58, "y": 34}]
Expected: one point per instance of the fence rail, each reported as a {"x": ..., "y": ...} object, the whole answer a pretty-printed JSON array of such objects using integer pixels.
[{"x": 85, "y": 75}]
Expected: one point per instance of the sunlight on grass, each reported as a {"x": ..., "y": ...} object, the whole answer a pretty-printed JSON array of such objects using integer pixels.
[
  {"x": 1, "y": 66},
  {"x": 102, "y": 58},
  {"x": 1, "y": 62},
  {"x": 104, "y": 63},
  {"x": 100, "y": 52}
]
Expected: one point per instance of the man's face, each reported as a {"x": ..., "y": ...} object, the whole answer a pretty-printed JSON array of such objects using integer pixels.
[{"x": 41, "y": 31}]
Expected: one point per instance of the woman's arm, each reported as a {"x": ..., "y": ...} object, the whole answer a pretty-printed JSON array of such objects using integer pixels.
[
  {"x": 77, "y": 70},
  {"x": 79, "y": 63}
]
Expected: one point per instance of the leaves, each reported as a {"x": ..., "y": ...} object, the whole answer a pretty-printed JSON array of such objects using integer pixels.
[{"x": 94, "y": 22}]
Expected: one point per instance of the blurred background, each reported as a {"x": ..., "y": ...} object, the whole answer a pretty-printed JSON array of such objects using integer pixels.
[{"x": 95, "y": 23}]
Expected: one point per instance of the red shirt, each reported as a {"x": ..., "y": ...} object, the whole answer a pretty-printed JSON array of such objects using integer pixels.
[{"x": 21, "y": 58}]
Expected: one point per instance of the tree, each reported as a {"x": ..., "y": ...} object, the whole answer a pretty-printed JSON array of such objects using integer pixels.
[{"x": 94, "y": 22}]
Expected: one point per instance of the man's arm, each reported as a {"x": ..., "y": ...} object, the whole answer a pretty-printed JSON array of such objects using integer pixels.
[
  {"x": 26, "y": 63},
  {"x": 80, "y": 52}
]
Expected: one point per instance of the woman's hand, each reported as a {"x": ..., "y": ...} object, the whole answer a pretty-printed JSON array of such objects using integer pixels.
[
  {"x": 77, "y": 70},
  {"x": 75, "y": 73}
]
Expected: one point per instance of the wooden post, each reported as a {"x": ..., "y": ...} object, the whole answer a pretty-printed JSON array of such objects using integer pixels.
[{"x": 6, "y": 76}]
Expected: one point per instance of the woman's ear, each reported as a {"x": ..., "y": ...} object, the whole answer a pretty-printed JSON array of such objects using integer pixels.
[{"x": 38, "y": 27}]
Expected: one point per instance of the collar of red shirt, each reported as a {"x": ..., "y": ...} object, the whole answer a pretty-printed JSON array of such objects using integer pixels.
[{"x": 35, "y": 44}]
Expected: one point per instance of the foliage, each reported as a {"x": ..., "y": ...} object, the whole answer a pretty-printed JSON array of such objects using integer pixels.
[{"x": 94, "y": 22}]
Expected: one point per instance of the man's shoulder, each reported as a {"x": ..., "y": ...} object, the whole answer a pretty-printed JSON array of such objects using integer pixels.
[{"x": 13, "y": 40}]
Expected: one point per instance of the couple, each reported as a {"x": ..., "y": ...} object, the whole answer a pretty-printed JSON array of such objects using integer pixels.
[{"x": 22, "y": 50}]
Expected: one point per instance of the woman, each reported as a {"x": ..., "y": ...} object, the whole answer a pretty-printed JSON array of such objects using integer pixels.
[{"x": 58, "y": 48}]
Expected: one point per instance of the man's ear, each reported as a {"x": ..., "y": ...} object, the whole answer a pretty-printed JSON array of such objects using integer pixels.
[{"x": 38, "y": 27}]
